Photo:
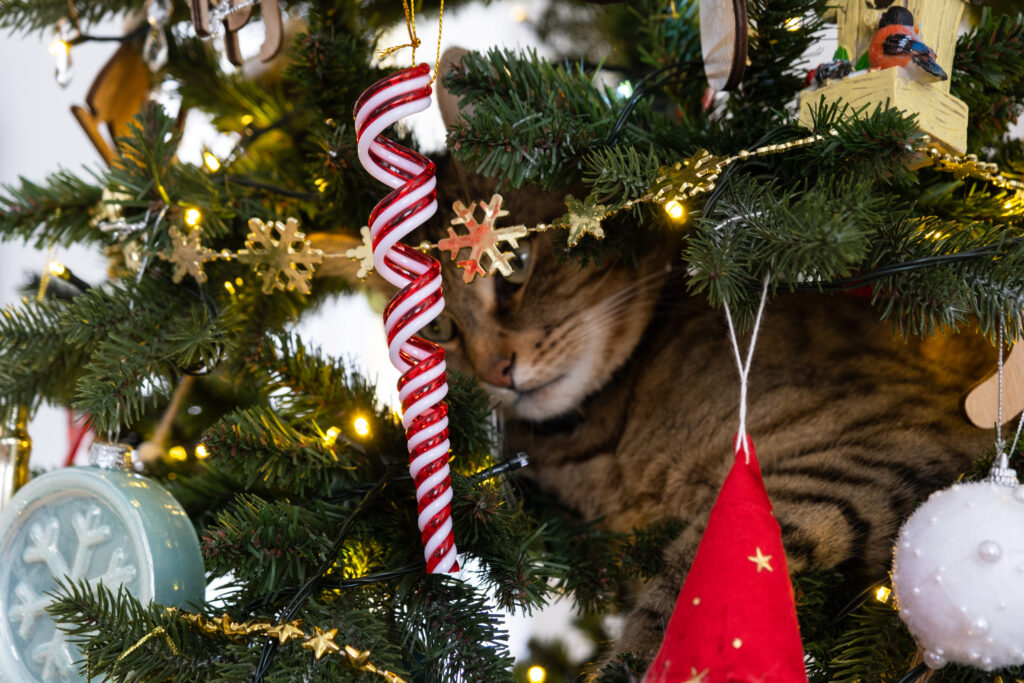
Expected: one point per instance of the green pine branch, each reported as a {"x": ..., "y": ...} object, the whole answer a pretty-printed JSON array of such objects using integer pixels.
[
  {"x": 988, "y": 75},
  {"x": 758, "y": 229},
  {"x": 531, "y": 121},
  {"x": 120, "y": 638},
  {"x": 260, "y": 452},
  {"x": 65, "y": 204},
  {"x": 780, "y": 33},
  {"x": 43, "y": 15}
]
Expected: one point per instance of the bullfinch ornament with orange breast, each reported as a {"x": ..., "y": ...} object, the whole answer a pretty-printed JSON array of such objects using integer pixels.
[{"x": 896, "y": 43}]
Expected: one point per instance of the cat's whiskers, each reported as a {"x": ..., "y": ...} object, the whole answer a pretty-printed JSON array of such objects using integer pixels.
[{"x": 613, "y": 309}]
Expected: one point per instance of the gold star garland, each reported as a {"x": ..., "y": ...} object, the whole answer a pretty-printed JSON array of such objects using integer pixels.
[
  {"x": 287, "y": 260},
  {"x": 320, "y": 642}
]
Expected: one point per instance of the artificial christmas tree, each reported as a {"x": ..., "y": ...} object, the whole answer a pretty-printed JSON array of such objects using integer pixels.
[{"x": 293, "y": 478}]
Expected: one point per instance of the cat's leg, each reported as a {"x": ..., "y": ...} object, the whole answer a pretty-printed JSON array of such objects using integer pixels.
[{"x": 646, "y": 622}]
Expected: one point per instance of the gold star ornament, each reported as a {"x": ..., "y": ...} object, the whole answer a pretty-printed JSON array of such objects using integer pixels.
[
  {"x": 584, "y": 218},
  {"x": 286, "y": 632},
  {"x": 280, "y": 255},
  {"x": 762, "y": 561},
  {"x": 322, "y": 642}
]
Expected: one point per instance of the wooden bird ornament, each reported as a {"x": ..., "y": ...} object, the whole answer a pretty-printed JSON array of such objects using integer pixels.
[
  {"x": 896, "y": 43},
  {"x": 982, "y": 403}
]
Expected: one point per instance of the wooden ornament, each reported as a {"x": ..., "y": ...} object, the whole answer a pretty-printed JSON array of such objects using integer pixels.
[
  {"x": 118, "y": 93},
  {"x": 723, "y": 42},
  {"x": 939, "y": 114},
  {"x": 982, "y": 403},
  {"x": 236, "y": 14}
]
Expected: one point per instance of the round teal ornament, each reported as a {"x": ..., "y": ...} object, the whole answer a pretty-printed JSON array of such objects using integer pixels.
[{"x": 97, "y": 524}]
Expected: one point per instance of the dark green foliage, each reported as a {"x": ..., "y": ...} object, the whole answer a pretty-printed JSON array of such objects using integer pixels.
[
  {"x": 532, "y": 121},
  {"x": 43, "y": 15},
  {"x": 65, "y": 204},
  {"x": 775, "y": 71},
  {"x": 989, "y": 287},
  {"x": 758, "y": 230},
  {"x": 875, "y": 640},
  {"x": 101, "y": 622},
  {"x": 110, "y": 351},
  {"x": 988, "y": 74}
]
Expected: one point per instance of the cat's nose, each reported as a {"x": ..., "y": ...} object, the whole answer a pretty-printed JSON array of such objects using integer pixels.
[{"x": 500, "y": 372}]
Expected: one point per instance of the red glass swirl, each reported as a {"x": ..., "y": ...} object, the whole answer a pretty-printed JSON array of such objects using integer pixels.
[{"x": 423, "y": 385}]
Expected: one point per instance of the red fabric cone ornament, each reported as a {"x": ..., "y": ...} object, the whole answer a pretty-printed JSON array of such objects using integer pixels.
[{"x": 735, "y": 619}]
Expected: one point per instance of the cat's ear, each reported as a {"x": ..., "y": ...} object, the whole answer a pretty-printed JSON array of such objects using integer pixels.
[{"x": 450, "y": 110}]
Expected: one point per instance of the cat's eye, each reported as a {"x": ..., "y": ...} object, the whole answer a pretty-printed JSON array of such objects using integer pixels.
[
  {"x": 440, "y": 330},
  {"x": 520, "y": 263}
]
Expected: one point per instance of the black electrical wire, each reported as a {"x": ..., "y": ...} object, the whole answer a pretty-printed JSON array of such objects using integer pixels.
[{"x": 914, "y": 674}]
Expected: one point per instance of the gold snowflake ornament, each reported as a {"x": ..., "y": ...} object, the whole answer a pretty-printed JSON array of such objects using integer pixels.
[
  {"x": 363, "y": 253},
  {"x": 280, "y": 255},
  {"x": 584, "y": 218},
  {"x": 690, "y": 177},
  {"x": 483, "y": 239},
  {"x": 188, "y": 254}
]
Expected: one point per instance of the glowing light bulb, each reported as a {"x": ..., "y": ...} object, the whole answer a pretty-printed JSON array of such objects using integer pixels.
[
  {"x": 201, "y": 452},
  {"x": 675, "y": 210},
  {"x": 624, "y": 89},
  {"x": 247, "y": 119},
  {"x": 361, "y": 426},
  {"x": 177, "y": 453},
  {"x": 57, "y": 268},
  {"x": 192, "y": 217},
  {"x": 211, "y": 162},
  {"x": 321, "y": 184},
  {"x": 793, "y": 23},
  {"x": 536, "y": 674},
  {"x": 331, "y": 436},
  {"x": 229, "y": 286},
  {"x": 882, "y": 594},
  {"x": 59, "y": 48}
]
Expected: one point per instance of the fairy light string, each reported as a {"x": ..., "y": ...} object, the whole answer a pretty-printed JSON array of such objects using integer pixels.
[{"x": 690, "y": 178}]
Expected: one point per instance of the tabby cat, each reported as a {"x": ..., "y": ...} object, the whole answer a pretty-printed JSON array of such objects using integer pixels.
[{"x": 624, "y": 391}]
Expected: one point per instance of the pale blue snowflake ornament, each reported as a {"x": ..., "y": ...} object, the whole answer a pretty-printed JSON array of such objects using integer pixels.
[{"x": 93, "y": 524}]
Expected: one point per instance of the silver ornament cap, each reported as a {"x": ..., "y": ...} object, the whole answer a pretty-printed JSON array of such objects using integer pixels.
[
  {"x": 15, "y": 448},
  {"x": 110, "y": 456},
  {"x": 1001, "y": 472}
]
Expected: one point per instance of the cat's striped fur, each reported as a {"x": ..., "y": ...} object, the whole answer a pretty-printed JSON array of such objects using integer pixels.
[{"x": 624, "y": 391}]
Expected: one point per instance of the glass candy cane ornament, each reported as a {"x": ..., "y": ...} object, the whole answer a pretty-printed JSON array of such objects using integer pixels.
[{"x": 423, "y": 384}]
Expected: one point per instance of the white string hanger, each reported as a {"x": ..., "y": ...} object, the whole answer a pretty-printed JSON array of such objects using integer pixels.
[
  {"x": 744, "y": 366},
  {"x": 1001, "y": 472}
]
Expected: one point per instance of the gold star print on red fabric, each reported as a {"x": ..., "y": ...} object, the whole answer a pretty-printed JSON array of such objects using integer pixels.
[
  {"x": 696, "y": 677},
  {"x": 762, "y": 561}
]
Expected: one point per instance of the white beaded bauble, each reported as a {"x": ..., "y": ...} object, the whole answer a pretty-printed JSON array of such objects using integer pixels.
[{"x": 958, "y": 575}]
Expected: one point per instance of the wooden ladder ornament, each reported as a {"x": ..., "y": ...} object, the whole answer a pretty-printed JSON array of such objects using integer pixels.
[
  {"x": 982, "y": 402},
  {"x": 273, "y": 28},
  {"x": 116, "y": 96}
]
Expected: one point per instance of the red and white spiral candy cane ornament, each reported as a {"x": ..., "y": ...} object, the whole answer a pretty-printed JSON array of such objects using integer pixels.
[{"x": 423, "y": 384}]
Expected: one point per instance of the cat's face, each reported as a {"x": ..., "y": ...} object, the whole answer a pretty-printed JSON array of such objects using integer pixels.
[{"x": 550, "y": 334}]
